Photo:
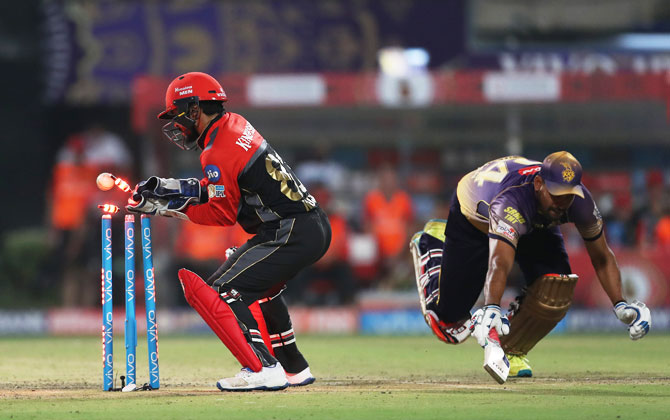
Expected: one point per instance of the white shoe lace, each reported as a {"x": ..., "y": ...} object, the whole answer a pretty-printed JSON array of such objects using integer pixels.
[
  {"x": 244, "y": 373},
  {"x": 271, "y": 376}
]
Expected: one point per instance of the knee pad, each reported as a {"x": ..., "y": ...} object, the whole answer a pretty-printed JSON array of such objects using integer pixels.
[
  {"x": 536, "y": 313},
  {"x": 220, "y": 318},
  {"x": 435, "y": 228}
]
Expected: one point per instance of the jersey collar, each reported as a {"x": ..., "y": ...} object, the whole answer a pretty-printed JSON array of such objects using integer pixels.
[{"x": 202, "y": 139}]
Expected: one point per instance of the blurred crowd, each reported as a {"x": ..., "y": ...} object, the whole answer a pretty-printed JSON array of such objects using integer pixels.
[
  {"x": 374, "y": 208},
  {"x": 635, "y": 206}
]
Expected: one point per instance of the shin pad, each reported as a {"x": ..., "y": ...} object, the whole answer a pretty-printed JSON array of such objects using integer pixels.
[
  {"x": 545, "y": 303},
  {"x": 220, "y": 318}
]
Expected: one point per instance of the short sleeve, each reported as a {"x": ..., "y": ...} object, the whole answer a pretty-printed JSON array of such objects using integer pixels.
[
  {"x": 585, "y": 215},
  {"x": 508, "y": 219}
]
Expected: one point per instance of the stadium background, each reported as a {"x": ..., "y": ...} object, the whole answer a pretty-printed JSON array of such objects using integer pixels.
[{"x": 84, "y": 80}]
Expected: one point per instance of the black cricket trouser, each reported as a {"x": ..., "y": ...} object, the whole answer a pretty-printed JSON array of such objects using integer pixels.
[
  {"x": 260, "y": 268},
  {"x": 274, "y": 255},
  {"x": 465, "y": 262}
]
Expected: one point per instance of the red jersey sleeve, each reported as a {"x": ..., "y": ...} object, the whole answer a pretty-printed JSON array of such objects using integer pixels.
[
  {"x": 224, "y": 198},
  {"x": 231, "y": 142}
]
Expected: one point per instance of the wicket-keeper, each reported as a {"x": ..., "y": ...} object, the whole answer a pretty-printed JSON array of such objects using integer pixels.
[{"x": 244, "y": 181}]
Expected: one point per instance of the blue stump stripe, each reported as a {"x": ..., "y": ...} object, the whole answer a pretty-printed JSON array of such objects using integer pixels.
[
  {"x": 150, "y": 303},
  {"x": 107, "y": 317}
]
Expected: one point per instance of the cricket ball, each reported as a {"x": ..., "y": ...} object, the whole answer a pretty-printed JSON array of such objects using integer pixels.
[{"x": 105, "y": 181}]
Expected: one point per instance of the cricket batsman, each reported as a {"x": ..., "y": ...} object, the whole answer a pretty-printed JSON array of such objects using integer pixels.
[
  {"x": 509, "y": 210},
  {"x": 246, "y": 182}
]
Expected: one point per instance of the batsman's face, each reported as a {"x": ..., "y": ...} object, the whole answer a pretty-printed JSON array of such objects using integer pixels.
[{"x": 552, "y": 206}]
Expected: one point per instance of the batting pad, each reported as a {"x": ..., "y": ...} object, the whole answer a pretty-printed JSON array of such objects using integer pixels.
[
  {"x": 220, "y": 318},
  {"x": 544, "y": 304}
]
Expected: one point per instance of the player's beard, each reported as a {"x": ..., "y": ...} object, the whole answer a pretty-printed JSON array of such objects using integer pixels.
[{"x": 554, "y": 213}]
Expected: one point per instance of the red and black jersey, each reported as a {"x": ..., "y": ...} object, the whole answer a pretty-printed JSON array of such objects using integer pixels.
[{"x": 247, "y": 181}]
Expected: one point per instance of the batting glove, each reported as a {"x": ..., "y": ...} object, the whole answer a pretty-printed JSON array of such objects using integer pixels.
[
  {"x": 486, "y": 318},
  {"x": 636, "y": 315}
]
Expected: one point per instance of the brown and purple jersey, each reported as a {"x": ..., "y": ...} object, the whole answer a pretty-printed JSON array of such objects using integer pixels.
[{"x": 499, "y": 197}]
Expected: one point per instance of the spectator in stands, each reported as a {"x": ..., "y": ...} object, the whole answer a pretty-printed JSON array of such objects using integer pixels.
[
  {"x": 652, "y": 210},
  {"x": 388, "y": 213},
  {"x": 70, "y": 200},
  {"x": 662, "y": 228},
  {"x": 663, "y": 231},
  {"x": 618, "y": 219},
  {"x": 329, "y": 280},
  {"x": 321, "y": 169},
  {"x": 200, "y": 247}
]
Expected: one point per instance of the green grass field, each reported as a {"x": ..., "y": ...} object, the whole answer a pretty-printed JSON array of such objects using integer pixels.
[{"x": 576, "y": 377}]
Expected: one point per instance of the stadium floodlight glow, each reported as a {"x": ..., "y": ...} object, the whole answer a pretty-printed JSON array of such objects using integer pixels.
[
  {"x": 402, "y": 62},
  {"x": 417, "y": 58}
]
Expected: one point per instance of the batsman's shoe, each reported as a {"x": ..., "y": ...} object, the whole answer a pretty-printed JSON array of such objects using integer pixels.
[
  {"x": 495, "y": 361},
  {"x": 270, "y": 378},
  {"x": 302, "y": 378},
  {"x": 519, "y": 366}
]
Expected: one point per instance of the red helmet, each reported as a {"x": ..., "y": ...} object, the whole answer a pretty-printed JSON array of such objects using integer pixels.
[
  {"x": 191, "y": 87},
  {"x": 184, "y": 91}
]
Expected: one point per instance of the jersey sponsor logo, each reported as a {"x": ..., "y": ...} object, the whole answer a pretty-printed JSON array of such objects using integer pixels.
[
  {"x": 212, "y": 172},
  {"x": 530, "y": 170},
  {"x": 244, "y": 141},
  {"x": 216, "y": 191},
  {"x": 506, "y": 231},
  {"x": 513, "y": 216}
]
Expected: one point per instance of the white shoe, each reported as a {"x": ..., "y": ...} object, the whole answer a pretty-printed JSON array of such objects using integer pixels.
[
  {"x": 302, "y": 378},
  {"x": 271, "y": 378}
]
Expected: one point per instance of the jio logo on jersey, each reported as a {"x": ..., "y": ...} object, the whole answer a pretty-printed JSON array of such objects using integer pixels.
[{"x": 212, "y": 172}]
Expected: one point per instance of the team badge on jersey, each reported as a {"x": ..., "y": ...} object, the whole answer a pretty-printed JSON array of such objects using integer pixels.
[
  {"x": 212, "y": 172},
  {"x": 216, "y": 191},
  {"x": 568, "y": 174}
]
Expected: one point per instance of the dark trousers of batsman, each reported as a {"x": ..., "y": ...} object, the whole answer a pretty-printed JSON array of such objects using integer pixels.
[{"x": 465, "y": 263}]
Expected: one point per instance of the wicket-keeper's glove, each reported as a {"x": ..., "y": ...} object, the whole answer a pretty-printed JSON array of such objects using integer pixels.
[
  {"x": 636, "y": 315},
  {"x": 162, "y": 206},
  {"x": 171, "y": 188}
]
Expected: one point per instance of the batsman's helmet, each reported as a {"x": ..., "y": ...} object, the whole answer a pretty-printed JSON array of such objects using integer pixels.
[{"x": 184, "y": 91}]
